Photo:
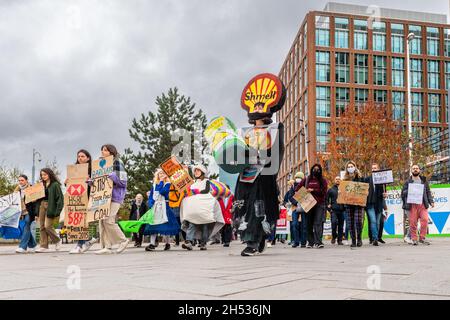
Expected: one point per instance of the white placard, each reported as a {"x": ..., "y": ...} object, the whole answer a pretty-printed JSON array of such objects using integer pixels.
[
  {"x": 415, "y": 193},
  {"x": 10, "y": 210},
  {"x": 383, "y": 177}
]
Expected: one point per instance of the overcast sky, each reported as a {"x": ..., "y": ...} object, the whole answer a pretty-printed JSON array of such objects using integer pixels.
[{"x": 73, "y": 74}]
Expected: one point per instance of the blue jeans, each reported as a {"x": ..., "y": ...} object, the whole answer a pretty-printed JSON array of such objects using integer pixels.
[
  {"x": 27, "y": 240},
  {"x": 303, "y": 229},
  {"x": 295, "y": 228},
  {"x": 374, "y": 221}
]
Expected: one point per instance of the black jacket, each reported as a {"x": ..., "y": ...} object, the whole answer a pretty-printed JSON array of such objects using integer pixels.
[
  {"x": 375, "y": 196},
  {"x": 427, "y": 196},
  {"x": 142, "y": 210},
  {"x": 331, "y": 199}
]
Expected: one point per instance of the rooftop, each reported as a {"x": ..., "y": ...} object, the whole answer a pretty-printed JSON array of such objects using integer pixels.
[{"x": 385, "y": 12}]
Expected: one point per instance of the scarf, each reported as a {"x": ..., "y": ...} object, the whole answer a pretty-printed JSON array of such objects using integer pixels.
[{"x": 119, "y": 169}]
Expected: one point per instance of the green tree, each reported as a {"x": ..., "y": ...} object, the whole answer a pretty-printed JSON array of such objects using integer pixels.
[
  {"x": 8, "y": 179},
  {"x": 153, "y": 133}
]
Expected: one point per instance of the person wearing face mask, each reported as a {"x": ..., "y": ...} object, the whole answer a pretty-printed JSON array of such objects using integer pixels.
[
  {"x": 318, "y": 187},
  {"x": 337, "y": 213},
  {"x": 299, "y": 228},
  {"x": 355, "y": 213},
  {"x": 418, "y": 211},
  {"x": 138, "y": 209},
  {"x": 27, "y": 242}
]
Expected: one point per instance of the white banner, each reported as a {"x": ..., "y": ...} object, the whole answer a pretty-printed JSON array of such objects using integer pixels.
[{"x": 383, "y": 177}]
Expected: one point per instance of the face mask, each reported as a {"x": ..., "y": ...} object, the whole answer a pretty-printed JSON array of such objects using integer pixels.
[
  {"x": 298, "y": 180},
  {"x": 351, "y": 170}
]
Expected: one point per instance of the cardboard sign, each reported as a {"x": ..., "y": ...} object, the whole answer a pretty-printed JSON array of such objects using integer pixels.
[
  {"x": 353, "y": 193},
  {"x": 383, "y": 177},
  {"x": 10, "y": 210},
  {"x": 101, "y": 190},
  {"x": 34, "y": 193},
  {"x": 305, "y": 199},
  {"x": 75, "y": 208},
  {"x": 179, "y": 177},
  {"x": 77, "y": 233},
  {"x": 78, "y": 171},
  {"x": 415, "y": 193}
]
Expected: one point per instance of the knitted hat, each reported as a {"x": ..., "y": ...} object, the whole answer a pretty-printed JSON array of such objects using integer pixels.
[{"x": 299, "y": 175}]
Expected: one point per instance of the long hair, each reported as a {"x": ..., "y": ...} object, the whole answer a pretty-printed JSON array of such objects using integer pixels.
[
  {"x": 112, "y": 149},
  {"x": 320, "y": 176},
  {"x": 87, "y": 154},
  {"x": 356, "y": 175},
  {"x": 52, "y": 176}
]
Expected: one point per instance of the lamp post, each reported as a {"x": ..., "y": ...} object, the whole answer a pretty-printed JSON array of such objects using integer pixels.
[
  {"x": 408, "y": 81},
  {"x": 33, "y": 170}
]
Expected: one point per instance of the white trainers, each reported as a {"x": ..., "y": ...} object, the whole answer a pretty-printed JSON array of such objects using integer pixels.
[
  {"x": 31, "y": 250},
  {"x": 123, "y": 246},
  {"x": 269, "y": 245},
  {"x": 76, "y": 250},
  {"x": 42, "y": 250},
  {"x": 407, "y": 240},
  {"x": 104, "y": 251},
  {"x": 58, "y": 245},
  {"x": 20, "y": 250},
  {"x": 87, "y": 245}
]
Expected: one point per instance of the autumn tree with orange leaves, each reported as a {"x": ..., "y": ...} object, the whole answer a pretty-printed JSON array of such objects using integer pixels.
[{"x": 368, "y": 134}]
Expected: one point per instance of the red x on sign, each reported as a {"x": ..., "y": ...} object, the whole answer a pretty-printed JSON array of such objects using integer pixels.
[{"x": 76, "y": 190}]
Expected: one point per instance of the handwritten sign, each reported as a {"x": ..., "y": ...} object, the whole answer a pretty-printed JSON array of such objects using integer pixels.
[
  {"x": 75, "y": 207},
  {"x": 382, "y": 177},
  {"x": 78, "y": 171},
  {"x": 353, "y": 193},
  {"x": 305, "y": 199},
  {"x": 101, "y": 190},
  {"x": 10, "y": 210},
  {"x": 415, "y": 193},
  {"x": 34, "y": 193},
  {"x": 179, "y": 177}
]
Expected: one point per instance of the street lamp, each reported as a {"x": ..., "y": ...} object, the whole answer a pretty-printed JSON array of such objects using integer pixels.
[
  {"x": 408, "y": 80},
  {"x": 33, "y": 171}
]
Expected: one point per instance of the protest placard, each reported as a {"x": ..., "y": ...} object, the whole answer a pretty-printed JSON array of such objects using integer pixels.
[
  {"x": 353, "y": 193},
  {"x": 178, "y": 176},
  {"x": 78, "y": 171},
  {"x": 101, "y": 189},
  {"x": 415, "y": 193},
  {"x": 305, "y": 199},
  {"x": 10, "y": 210},
  {"x": 382, "y": 177},
  {"x": 34, "y": 193}
]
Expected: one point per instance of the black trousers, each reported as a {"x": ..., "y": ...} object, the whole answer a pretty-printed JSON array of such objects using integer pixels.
[
  {"x": 227, "y": 233},
  {"x": 337, "y": 224},
  {"x": 138, "y": 237},
  {"x": 316, "y": 218}
]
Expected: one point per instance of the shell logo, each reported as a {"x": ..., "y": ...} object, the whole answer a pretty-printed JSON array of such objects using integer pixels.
[{"x": 264, "y": 91}]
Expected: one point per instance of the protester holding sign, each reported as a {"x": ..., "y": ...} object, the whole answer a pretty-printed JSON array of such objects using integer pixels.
[
  {"x": 110, "y": 233},
  {"x": 318, "y": 187},
  {"x": 299, "y": 229},
  {"x": 163, "y": 220},
  {"x": 27, "y": 242},
  {"x": 417, "y": 204},
  {"x": 84, "y": 157},
  {"x": 374, "y": 207},
  {"x": 337, "y": 213},
  {"x": 355, "y": 213},
  {"x": 49, "y": 209}
]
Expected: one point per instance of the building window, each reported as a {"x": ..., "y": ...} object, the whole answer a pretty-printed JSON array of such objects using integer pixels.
[
  {"x": 433, "y": 74},
  {"x": 417, "y": 106},
  {"x": 341, "y": 25},
  {"x": 323, "y": 102},
  {"x": 447, "y": 75},
  {"x": 447, "y": 42},
  {"x": 435, "y": 140},
  {"x": 416, "y": 43},
  {"x": 322, "y": 31},
  {"x": 398, "y": 105},
  {"x": 417, "y": 133},
  {"x": 379, "y": 70},
  {"x": 379, "y": 36},
  {"x": 380, "y": 96},
  {"x": 342, "y": 100},
  {"x": 342, "y": 67},
  {"x": 305, "y": 38},
  {"x": 398, "y": 72},
  {"x": 416, "y": 73},
  {"x": 361, "y": 69},
  {"x": 322, "y": 66},
  {"x": 434, "y": 108},
  {"x": 397, "y": 40},
  {"x": 322, "y": 134},
  {"x": 361, "y": 97},
  {"x": 432, "y": 41},
  {"x": 360, "y": 34}
]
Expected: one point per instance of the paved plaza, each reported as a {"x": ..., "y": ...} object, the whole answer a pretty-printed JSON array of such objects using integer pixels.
[{"x": 407, "y": 272}]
